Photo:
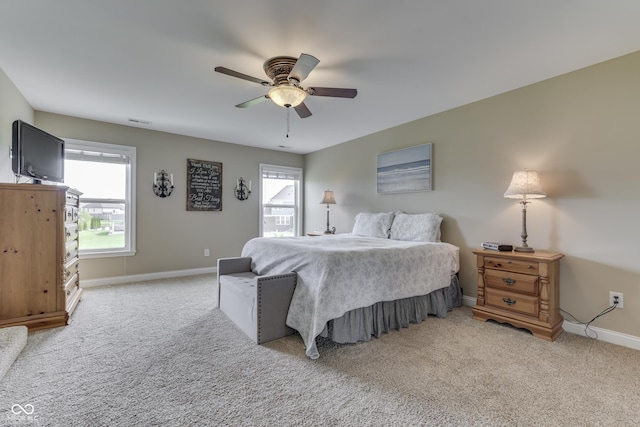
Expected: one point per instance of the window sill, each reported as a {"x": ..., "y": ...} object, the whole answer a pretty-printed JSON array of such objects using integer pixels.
[{"x": 106, "y": 254}]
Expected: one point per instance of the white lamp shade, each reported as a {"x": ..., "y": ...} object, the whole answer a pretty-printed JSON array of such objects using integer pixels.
[
  {"x": 327, "y": 198},
  {"x": 287, "y": 96},
  {"x": 525, "y": 185}
]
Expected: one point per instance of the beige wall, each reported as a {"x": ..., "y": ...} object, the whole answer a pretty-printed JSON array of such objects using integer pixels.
[
  {"x": 581, "y": 131},
  {"x": 13, "y": 106},
  {"x": 169, "y": 237}
]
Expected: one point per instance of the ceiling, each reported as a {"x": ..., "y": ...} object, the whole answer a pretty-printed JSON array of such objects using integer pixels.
[{"x": 154, "y": 60}]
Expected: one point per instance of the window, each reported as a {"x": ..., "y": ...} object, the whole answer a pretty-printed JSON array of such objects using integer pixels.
[
  {"x": 283, "y": 220},
  {"x": 105, "y": 174},
  {"x": 280, "y": 197}
]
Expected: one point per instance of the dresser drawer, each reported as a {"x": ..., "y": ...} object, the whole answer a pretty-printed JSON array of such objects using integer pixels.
[
  {"x": 71, "y": 285},
  {"x": 71, "y": 213},
  {"x": 517, "y": 266},
  {"x": 510, "y": 281},
  {"x": 71, "y": 250},
  {"x": 70, "y": 232},
  {"x": 71, "y": 268},
  {"x": 72, "y": 199},
  {"x": 511, "y": 301}
]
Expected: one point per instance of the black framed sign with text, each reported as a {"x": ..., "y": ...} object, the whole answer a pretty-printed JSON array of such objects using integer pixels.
[{"x": 204, "y": 185}]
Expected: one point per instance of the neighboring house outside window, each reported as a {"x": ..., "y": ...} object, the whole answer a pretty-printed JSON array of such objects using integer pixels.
[
  {"x": 105, "y": 174},
  {"x": 280, "y": 198}
]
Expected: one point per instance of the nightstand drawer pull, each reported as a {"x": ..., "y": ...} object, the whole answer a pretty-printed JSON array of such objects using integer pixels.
[
  {"x": 509, "y": 281},
  {"x": 509, "y": 301}
]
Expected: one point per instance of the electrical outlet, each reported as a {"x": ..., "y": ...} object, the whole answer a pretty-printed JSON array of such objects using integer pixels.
[
  {"x": 206, "y": 252},
  {"x": 616, "y": 295}
]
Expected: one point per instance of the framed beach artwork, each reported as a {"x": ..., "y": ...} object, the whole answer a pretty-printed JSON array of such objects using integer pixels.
[{"x": 405, "y": 171}]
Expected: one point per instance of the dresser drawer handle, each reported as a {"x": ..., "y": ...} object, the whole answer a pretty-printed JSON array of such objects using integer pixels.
[
  {"x": 529, "y": 267},
  {"x": 509, "y": 281},
  {"x": 509, "y": 301}
]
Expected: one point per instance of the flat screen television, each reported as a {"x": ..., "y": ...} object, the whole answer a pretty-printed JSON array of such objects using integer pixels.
[{"x": 36, "y": 153}]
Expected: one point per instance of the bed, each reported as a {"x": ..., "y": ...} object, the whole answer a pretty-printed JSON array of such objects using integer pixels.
[{"x": 357, "y": 285}]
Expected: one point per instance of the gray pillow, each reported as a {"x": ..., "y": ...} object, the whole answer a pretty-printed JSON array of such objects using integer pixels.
[
  {"x": 416, "y": 227},
  {"x": 373, "y": 224}
]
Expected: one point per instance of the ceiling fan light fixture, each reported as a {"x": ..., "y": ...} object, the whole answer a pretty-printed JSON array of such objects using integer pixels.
[{"x": 287, "y": 95}]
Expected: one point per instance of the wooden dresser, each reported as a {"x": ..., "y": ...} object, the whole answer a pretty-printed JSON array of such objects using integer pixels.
[
  {"x": 521, "y": 289},
  {"x": 39, "y": 267}
]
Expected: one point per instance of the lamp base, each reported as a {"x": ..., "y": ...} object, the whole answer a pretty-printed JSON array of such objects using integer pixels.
[{"x": 523, "y": 249}]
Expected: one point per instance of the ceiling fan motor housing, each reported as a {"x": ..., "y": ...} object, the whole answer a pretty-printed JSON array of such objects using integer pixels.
[{"x": 278, "y": 69}]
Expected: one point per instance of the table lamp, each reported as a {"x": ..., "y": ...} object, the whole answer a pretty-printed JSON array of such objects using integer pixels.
[{"x": 525, "y": 185}]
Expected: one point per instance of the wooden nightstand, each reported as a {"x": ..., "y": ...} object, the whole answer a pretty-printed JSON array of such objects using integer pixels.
[{"x": 521, "y": 289}]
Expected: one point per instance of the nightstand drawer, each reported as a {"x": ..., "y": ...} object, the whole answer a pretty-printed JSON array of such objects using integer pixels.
[
  {"x": 518, "y": 266},
  {"x": 512, "y": 301},
  {"x": 510, "y": 281}
]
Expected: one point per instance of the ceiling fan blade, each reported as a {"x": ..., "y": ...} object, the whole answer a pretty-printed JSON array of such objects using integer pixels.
[
  {"x": 232, "y": 73},
  {"x": 303, "y": 67},
  {"x": 253, "y": 101},
  {"x": 332, "y": 91},
  {"x": 302, "y": 110}
]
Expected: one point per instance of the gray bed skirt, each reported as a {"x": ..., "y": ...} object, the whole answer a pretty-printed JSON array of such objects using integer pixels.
[{"x": 363, "y": 323}]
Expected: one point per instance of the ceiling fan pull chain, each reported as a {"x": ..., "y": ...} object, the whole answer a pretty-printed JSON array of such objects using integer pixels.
[{"x": 288, "y": 115}]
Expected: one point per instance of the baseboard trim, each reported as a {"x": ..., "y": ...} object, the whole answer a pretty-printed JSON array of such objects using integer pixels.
[
  {"x": 605, "y": 335},
  {"x": 469, "y": 301},
  {"x": 119, "y": 280}
]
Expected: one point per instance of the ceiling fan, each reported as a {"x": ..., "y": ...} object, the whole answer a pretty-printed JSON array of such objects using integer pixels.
[{"x": 286, "y": 74}]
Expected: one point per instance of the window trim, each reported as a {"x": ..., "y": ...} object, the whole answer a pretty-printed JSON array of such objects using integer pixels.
[
  {"x": 298, "y": 188},
  {"x": 130, "y": 195}
]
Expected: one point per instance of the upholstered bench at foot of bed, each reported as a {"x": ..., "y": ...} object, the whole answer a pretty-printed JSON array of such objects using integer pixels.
[{"x": 258, "y": 305}]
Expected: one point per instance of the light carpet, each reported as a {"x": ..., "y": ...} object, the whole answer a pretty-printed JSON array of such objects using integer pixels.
[
  {"x": 160, "y": 354},
  {"x": 12, "y": 341}
]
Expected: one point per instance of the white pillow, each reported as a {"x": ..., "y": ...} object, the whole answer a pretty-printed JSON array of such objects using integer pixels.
[
  {"x": 416, "y": 227},
  {"x": 373, "y": 224}
]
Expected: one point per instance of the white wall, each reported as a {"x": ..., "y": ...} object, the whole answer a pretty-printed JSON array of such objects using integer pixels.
[
  {"x": 581, "y": 131},
  {"x": 13, "y": 106}
]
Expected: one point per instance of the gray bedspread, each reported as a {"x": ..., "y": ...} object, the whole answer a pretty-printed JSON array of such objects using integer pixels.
[{"x": 339, "y": 273}]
